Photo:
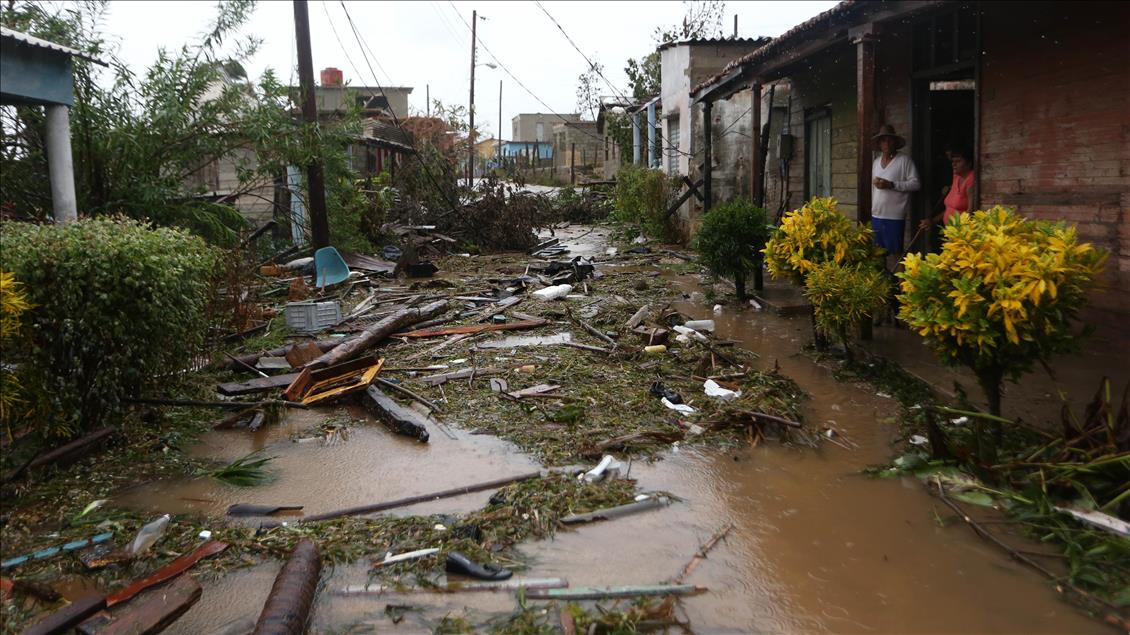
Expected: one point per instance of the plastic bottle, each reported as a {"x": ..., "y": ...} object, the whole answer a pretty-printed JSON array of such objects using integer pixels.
[
  {"x": 655, "y": 349},
  {"x": 148, "y": 535},
  {"x": 701, "y": 325},
  {"x": 553, "y": 293}
]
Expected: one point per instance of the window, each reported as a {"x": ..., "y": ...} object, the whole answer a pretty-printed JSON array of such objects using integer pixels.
[
  {"x": 540, "y": 132},
  {"x": 818, "y": 153},
  {"x": 672, "y": 146}
]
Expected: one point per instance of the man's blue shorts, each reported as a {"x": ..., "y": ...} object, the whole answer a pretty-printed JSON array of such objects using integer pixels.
[{"x": 888, "y": 233}]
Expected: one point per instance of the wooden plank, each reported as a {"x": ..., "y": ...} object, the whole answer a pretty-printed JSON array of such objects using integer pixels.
[
  {"x": 474, "y": 328},
  {"x": 149, "y": 613},
  {"x": 638, "y": 317},
  {"x": 67, "y": 617},
  {"x": 167, "y": 572},
  {"x": 461, "y": 374},
  {"x": 65, "y": 455},
  {"x": 611, "y": 513},
  {"x": 400, "y": 419},
  {"x": 540, "y": 389},
  {"x": 260, "y": 384}
]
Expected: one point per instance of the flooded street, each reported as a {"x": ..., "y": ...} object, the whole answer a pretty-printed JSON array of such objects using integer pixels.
[{"x": 817, "y": 546}]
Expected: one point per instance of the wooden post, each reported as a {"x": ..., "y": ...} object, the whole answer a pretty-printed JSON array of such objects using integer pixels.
[
  {"x": 315, "y": 176},
  {"x": 707, "y": 149},
  {"x": 471, "y": 110},
  {"x": 572, "y": 163},
  {"x": 756, "y": 178},
  {"x": 866, "y": 122},
  {"x": 865, "y": 106}
]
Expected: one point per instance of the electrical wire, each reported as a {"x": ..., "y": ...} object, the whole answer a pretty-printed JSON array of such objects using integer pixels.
[{"x": 396, "y": 120}]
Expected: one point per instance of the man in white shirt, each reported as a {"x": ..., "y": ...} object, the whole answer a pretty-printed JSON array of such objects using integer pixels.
[{"x": 894, "y": 177}]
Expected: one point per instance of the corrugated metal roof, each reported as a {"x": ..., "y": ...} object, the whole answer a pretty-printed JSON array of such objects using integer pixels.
[
  {"x": 785, "y": 39},
  {"x": 744, "y": 41},
  {"x": 31, "y": 40}
]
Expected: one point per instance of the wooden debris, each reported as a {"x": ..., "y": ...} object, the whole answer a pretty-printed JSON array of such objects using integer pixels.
[
  {"x": 443, "y": 378},
  {"x": 66, "y": 618},
  {"x": 457, "y": 587},
  {"x": 313, "y": 386},
  {"x": 287, "y": 608},
  {"x": 407, "y": 393},
  {"x": 700, "y": 555},
  {"x": 303, "y": 353},
  {"x": 249, "y": 509},
  {"x": 610, "y": 592},
  {"x": 235, "y": 389},
  {"x": 422, "y": 498},
  {"x": 497, "y": 308},
  {"x": 398, "y": 418},
  {"x": 377, "y": 332},
  {"x": 618, "y": 443},
  {"x": 151, "y": 613},
  {"x": 540, "y": 389},
  {"x": 167, "y": 572},
  {"x": 432, "y": 351},
  {"x": 586, "y": 347},
  {"x": 474, "y": 328},
  {"x": 652, "y": 335},
  {"x": 638, "y": 317},
  {"x": 67, "y": 454},
  {"x": 253, "y": 358}
]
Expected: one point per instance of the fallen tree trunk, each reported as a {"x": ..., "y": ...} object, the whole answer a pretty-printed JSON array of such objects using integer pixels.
[
  {"x": 400, "y": 419},
  {"x": 288, "y": 605},
  {"x": 377, "y": 332},
  {"x": 65, "y": 455}
]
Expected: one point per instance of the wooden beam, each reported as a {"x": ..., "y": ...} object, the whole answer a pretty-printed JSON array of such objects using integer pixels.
[
  {"x": 708, "y": 148},
  {"x": 865, "y": 121},
  {"x": 756, "y": 177}
]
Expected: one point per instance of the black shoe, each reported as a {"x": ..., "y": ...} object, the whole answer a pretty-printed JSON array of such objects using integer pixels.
[{"x": 459, "y": 563}]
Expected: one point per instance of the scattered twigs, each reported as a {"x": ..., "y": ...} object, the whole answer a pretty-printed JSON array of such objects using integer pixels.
[
  {"x": 1023, "y": 559},
  {"x": 592, "y": 330},
  {"x": 768, "y": 417},
  {"x": 245, "y": 365},
  {"x": 586, "y": 347},
  {"x": 700, "y": 555}
]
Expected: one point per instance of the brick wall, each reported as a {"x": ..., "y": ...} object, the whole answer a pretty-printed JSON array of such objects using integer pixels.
[{"x": 1055, "y": 131}]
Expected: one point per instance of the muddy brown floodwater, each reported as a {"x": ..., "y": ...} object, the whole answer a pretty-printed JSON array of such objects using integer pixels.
[{"x": 816, "y": 548}]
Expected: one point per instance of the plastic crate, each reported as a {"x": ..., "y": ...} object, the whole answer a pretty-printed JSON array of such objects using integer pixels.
[{"x": 312, "y": 316}]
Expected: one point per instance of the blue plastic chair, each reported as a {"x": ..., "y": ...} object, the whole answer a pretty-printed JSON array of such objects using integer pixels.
[{"x": 329, "y": 267}]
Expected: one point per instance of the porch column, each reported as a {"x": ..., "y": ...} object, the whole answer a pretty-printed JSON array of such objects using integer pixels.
[
  {"x": 60, "y": 164},
  {"x": 636, "y": 138},
  {"x": 652, "y": 142},
  {"x": 707, "y": 150},
  {"x": 865, "y": 111},
  {"x": 755, "y": 176}
]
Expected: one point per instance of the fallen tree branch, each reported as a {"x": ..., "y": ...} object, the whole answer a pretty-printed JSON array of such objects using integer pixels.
[
  {"x": 700, "y": 555},
  {"x": 377, "y": 332}
]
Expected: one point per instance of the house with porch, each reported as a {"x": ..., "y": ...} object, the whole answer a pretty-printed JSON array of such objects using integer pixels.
[{"x": 1042, "y": 102}]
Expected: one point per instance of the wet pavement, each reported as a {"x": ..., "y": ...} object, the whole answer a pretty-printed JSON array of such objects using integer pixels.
[{"x": 817, "y": 547}]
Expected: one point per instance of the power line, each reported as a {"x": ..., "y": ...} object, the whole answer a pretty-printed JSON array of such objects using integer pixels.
[
  {"x": 524, "y": 87},
  {"x": 594, "y": 68}
]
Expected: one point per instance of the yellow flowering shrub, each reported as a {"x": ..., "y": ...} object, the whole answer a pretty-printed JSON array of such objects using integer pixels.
[
  {"x": 13, "y": 304},
  {"x": 844, "y": 296},
  {"x": 814, "y": 234},
  {"x": 1001, "y": 295}
]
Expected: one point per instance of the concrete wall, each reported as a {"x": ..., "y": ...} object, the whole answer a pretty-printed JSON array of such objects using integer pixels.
[
  {"x": 579, "y": 145},
  {"x": 334, "y": 98},
  {"x": 524, "y": 127},
  {"x": 1055, "y": 124}
]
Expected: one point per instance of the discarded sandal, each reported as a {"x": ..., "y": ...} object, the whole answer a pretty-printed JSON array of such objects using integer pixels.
[{"x": 459, "y": 563}]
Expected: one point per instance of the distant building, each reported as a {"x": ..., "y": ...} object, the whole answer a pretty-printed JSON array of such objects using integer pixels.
[
  {"x": 333, "y": 95},
  {"x": 578, "y": 152},
  {"x": 538, "y": 126}
]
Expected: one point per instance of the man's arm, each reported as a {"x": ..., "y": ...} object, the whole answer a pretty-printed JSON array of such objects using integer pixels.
[{"x": 911, "y": 182}]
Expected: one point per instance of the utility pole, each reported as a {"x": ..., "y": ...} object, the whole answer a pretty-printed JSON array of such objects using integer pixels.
[
  {"x": 315, "y": 177},
  {"x": 428, "y": 98},
  {"x": 471, "y": 111},
  {"x": 499, "y": 142}
]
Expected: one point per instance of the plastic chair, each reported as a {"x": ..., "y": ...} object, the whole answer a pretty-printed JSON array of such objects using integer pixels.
[{"x": 329, "y": 267}]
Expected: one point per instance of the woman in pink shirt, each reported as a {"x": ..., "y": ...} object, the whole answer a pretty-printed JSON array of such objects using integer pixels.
[{"x": 958, "y": 194}]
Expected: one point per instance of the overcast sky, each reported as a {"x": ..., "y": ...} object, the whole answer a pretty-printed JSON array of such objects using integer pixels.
[{"x": 427, "y": 43}]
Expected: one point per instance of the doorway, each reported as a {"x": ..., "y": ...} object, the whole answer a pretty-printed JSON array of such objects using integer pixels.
[{"x": 945, "y": 119}]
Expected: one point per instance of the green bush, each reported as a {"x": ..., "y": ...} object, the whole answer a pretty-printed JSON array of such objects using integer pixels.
[
  {"x": 641, "y": 199},
  {"x": 731, "y": 239},
  {"x": 843, "y": 296},
  {"x": 119, "y": 309}
]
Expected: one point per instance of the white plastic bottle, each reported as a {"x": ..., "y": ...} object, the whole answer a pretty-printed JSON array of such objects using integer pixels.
[{"x": 148, "y": 535}]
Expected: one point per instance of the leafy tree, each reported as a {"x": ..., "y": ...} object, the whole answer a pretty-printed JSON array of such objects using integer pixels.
[
  {"x": 731, "y": 239},
  {"x": 641, "y": 198},
  {"x": 140, "y": 140},
  {"x": 588, "y": 91},
  {"x": 702, "y": 19},
  {"x": 1002, "y": 295}
]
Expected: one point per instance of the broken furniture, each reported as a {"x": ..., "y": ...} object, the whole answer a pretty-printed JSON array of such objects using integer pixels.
[{"x": 313, "y": 386}]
